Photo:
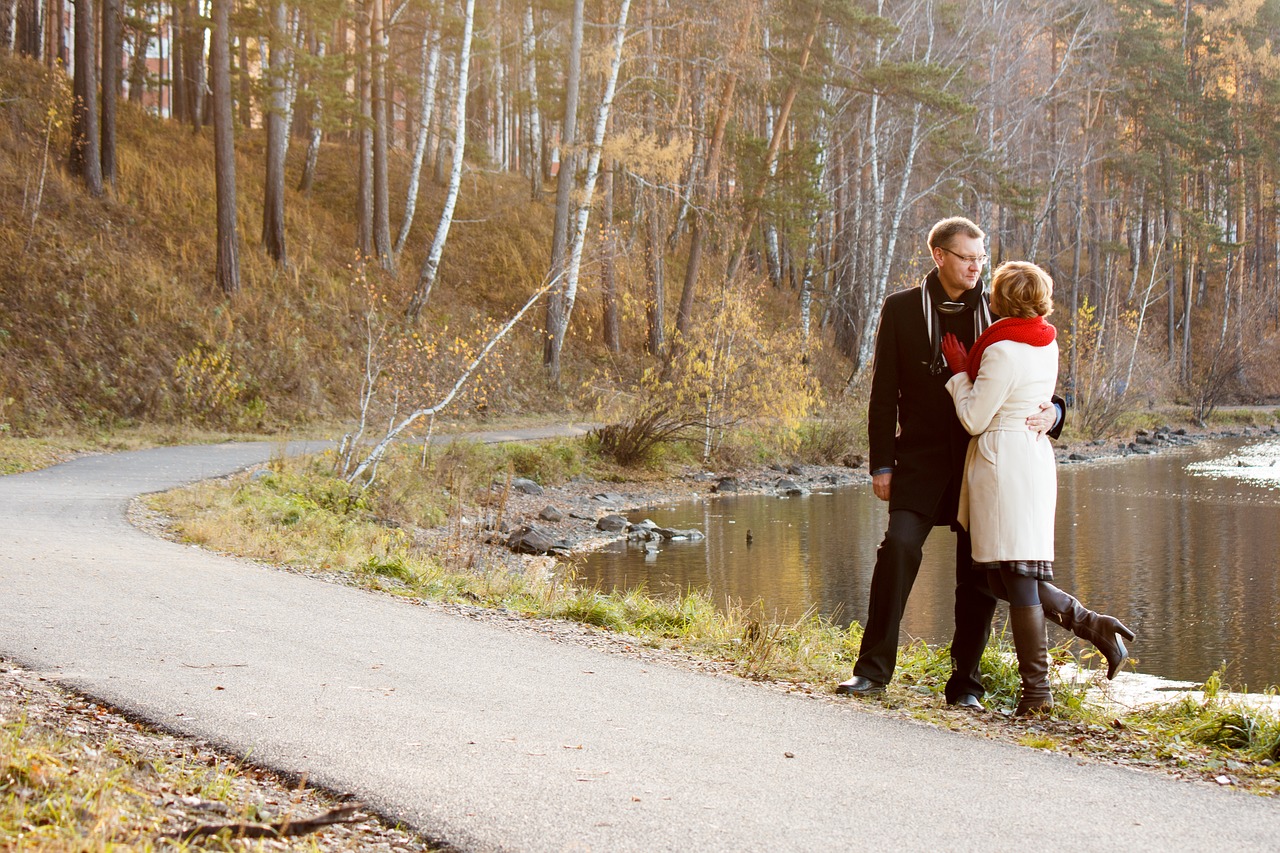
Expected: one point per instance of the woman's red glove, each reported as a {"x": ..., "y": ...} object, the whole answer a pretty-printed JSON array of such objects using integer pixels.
[{"x": 954, "y": 352}]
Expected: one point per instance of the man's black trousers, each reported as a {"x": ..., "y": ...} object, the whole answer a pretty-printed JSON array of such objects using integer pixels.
[{"x": 897, "y": 564}]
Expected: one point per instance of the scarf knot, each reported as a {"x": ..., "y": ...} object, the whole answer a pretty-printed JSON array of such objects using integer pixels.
[{"x": 1035, "y": 331}]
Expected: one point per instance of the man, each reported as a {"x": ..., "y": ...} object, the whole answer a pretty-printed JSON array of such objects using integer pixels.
[{"x": 917, "y": 458}]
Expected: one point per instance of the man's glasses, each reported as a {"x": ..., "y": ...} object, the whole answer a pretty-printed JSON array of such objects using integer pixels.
[
  {"x": 950, "y": 307},
  {"x": 980, "y": 260}
]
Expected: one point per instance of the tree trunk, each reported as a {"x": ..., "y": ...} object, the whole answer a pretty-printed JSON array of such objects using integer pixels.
[
  {"x": 656, "y": 304},
  {"x": 85, "y": 160},
  {"x": 430, "y": 65},
  {"x": 364, "y": 127},
  {"x": 138, "y": 65},
  {"x": 684, "y": 315},
  {"x": 246, "y": 86},
  {"x": 177, "y": 63},
  {"x": 228, "y": 269},
  {"x": 557, "y": 316},
  {"x": 584, "y": 205},
  {"x": 28, "y": 28},
  {"x": 775, "y": 145},
  {"x": 112, "y": 56},
  {"x": 315, "y": 134},
  {"x": 431, "y": 267},
  {"x": 703, "y": 186},
  {"x": 9, "y": 25},
  {"x": 54, "y": 50},
  {"x": 193, "y": 58},
  {"x": 273, "y": 233},
  {"x": 608, "y": 264},
  {"x": 530, "y": 45},
  {"x": 381, "y": 192}
]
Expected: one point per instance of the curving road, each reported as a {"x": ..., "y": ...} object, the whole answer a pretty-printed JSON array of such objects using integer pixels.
[{"x": 491, "y": 739}]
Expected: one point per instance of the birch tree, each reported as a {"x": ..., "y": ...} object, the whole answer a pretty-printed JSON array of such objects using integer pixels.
[
  {"x": 584, "y": 206},
  {"x": 427, "y": 80},
  {"x": 431, "y": 267},
  {"x": 557, "y": 313}
]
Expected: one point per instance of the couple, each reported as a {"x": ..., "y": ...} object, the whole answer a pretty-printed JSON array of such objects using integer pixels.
[{"x": 997, "y": 491}]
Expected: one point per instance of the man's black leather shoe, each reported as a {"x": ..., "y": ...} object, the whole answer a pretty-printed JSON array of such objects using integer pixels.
[
  {"x": 859, "y": 686},
  {"x": 967, "y": 701}
]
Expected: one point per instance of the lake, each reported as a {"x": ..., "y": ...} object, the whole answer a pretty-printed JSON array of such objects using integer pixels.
[{"x": 1182, "y": 546}]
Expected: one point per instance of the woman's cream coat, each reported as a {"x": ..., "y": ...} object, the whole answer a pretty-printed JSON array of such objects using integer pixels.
[{"x": 1010, "y": 488}]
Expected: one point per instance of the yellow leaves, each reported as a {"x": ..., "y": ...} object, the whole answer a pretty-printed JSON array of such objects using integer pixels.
[
  {"x": 209, "y": 382},
  {"x": 1231, "y": 67},
  {"x": 733, "y": 367},
  {"x": 646, "y": 155}
]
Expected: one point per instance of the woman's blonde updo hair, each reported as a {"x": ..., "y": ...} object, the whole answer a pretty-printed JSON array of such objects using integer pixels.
[{"x": 1021, "y": 289}]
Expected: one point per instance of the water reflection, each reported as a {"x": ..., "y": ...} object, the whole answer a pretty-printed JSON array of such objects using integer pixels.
[{"x": 1182, "y": 546}]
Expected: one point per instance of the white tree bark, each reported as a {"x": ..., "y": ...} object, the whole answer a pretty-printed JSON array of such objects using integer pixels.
[
  {"x": 426, "y": 107},
  {"x": 593, "y": 172},
  {"x": 397, "y": 428},
  {"x": 432, "y": 265},
  {"x": 535, "y": 113}
]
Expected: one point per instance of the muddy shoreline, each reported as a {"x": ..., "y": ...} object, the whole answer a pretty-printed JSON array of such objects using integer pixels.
[{"x": 569, "y": 514}]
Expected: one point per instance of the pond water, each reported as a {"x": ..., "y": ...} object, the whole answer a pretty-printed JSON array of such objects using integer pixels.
[{"x": 1184, "y": 547}]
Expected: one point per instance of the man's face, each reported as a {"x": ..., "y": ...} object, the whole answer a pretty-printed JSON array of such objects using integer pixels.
[{"x": 959, "y": 264}]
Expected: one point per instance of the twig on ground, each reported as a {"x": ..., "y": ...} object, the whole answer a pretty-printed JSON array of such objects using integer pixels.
[{"x": 282, "y": 829}]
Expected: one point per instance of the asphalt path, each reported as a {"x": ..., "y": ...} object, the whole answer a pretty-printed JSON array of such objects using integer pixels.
[{"x": 493, "y": 739}]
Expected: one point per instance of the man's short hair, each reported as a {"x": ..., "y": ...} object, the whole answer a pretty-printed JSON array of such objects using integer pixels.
[
  {"x": 1021, "y": 289},
  {"x": 942, "y": 232}
]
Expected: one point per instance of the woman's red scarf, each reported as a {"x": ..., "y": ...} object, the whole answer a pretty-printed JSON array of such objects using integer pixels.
[{"x": 1035, "y": 331}]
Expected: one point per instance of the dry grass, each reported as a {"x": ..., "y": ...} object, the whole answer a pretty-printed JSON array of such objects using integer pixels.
[
  {"x": 435, "y": 548},
  {"x": 77, "y": 776},
  {"x": 101, "y": 298}
]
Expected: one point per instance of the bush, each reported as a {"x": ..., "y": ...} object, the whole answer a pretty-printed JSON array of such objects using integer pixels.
[{"x": 635, "y": 441}]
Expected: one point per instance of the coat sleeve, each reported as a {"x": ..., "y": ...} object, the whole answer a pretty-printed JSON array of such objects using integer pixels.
[
  {"x": 1056, "y": 432},
  {"x": 978, "y": 401},
  {"x": 882, "y": 410}
]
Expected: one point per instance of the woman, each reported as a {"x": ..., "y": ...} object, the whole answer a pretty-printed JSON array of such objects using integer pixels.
[{"x": 1010, "y": 488}]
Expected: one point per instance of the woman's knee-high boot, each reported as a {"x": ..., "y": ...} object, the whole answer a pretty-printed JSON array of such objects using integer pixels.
[
  {"x": 1032, "y": 646},
  {"x": 1106, "y": 632}
]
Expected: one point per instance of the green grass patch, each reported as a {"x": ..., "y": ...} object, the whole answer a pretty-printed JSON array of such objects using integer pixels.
[{"x": 420, "y": 532}]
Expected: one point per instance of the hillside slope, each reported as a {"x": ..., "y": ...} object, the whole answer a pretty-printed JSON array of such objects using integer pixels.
[{"x": 108, "y": 310}]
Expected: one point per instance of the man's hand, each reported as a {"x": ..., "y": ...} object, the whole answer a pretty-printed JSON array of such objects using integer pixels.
[
  {"x": 880, "y": 484},
  {"x": 1043, "y": 420}
]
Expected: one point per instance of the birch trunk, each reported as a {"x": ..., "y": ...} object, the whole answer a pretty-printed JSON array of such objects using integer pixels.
[
  {"x": 432, "y": 265},
  {"x": 381, "y": 191},
  {"x": 535, "y": 113},
  {"x": 430, "y": 54},
  {"x": 593, "y": 171},
  {"x": 315, "y": 135},
  {"x": 557, "y": 315}
]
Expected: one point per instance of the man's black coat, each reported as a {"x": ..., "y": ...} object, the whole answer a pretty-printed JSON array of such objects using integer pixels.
[{"x": 912, "y": 422}]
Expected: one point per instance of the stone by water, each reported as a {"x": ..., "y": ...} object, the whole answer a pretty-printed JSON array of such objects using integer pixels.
[{"x": 1183, "y": 546}]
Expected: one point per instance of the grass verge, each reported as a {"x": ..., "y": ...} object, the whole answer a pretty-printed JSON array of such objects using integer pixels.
[
  {"x": 75, "y": 775},
  {"x": 424, "y": 531}
]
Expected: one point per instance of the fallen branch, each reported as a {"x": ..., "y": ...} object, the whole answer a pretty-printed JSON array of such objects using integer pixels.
[
  {"x": 283, "y": 829},
  {"x": 398, "y": 427}
]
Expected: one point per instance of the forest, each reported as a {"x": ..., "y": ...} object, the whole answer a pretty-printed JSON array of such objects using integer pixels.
[{"x": 263, "y": 212}]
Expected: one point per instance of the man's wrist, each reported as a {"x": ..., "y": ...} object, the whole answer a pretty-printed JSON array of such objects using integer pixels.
[{"x": 876, "y": 472}]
